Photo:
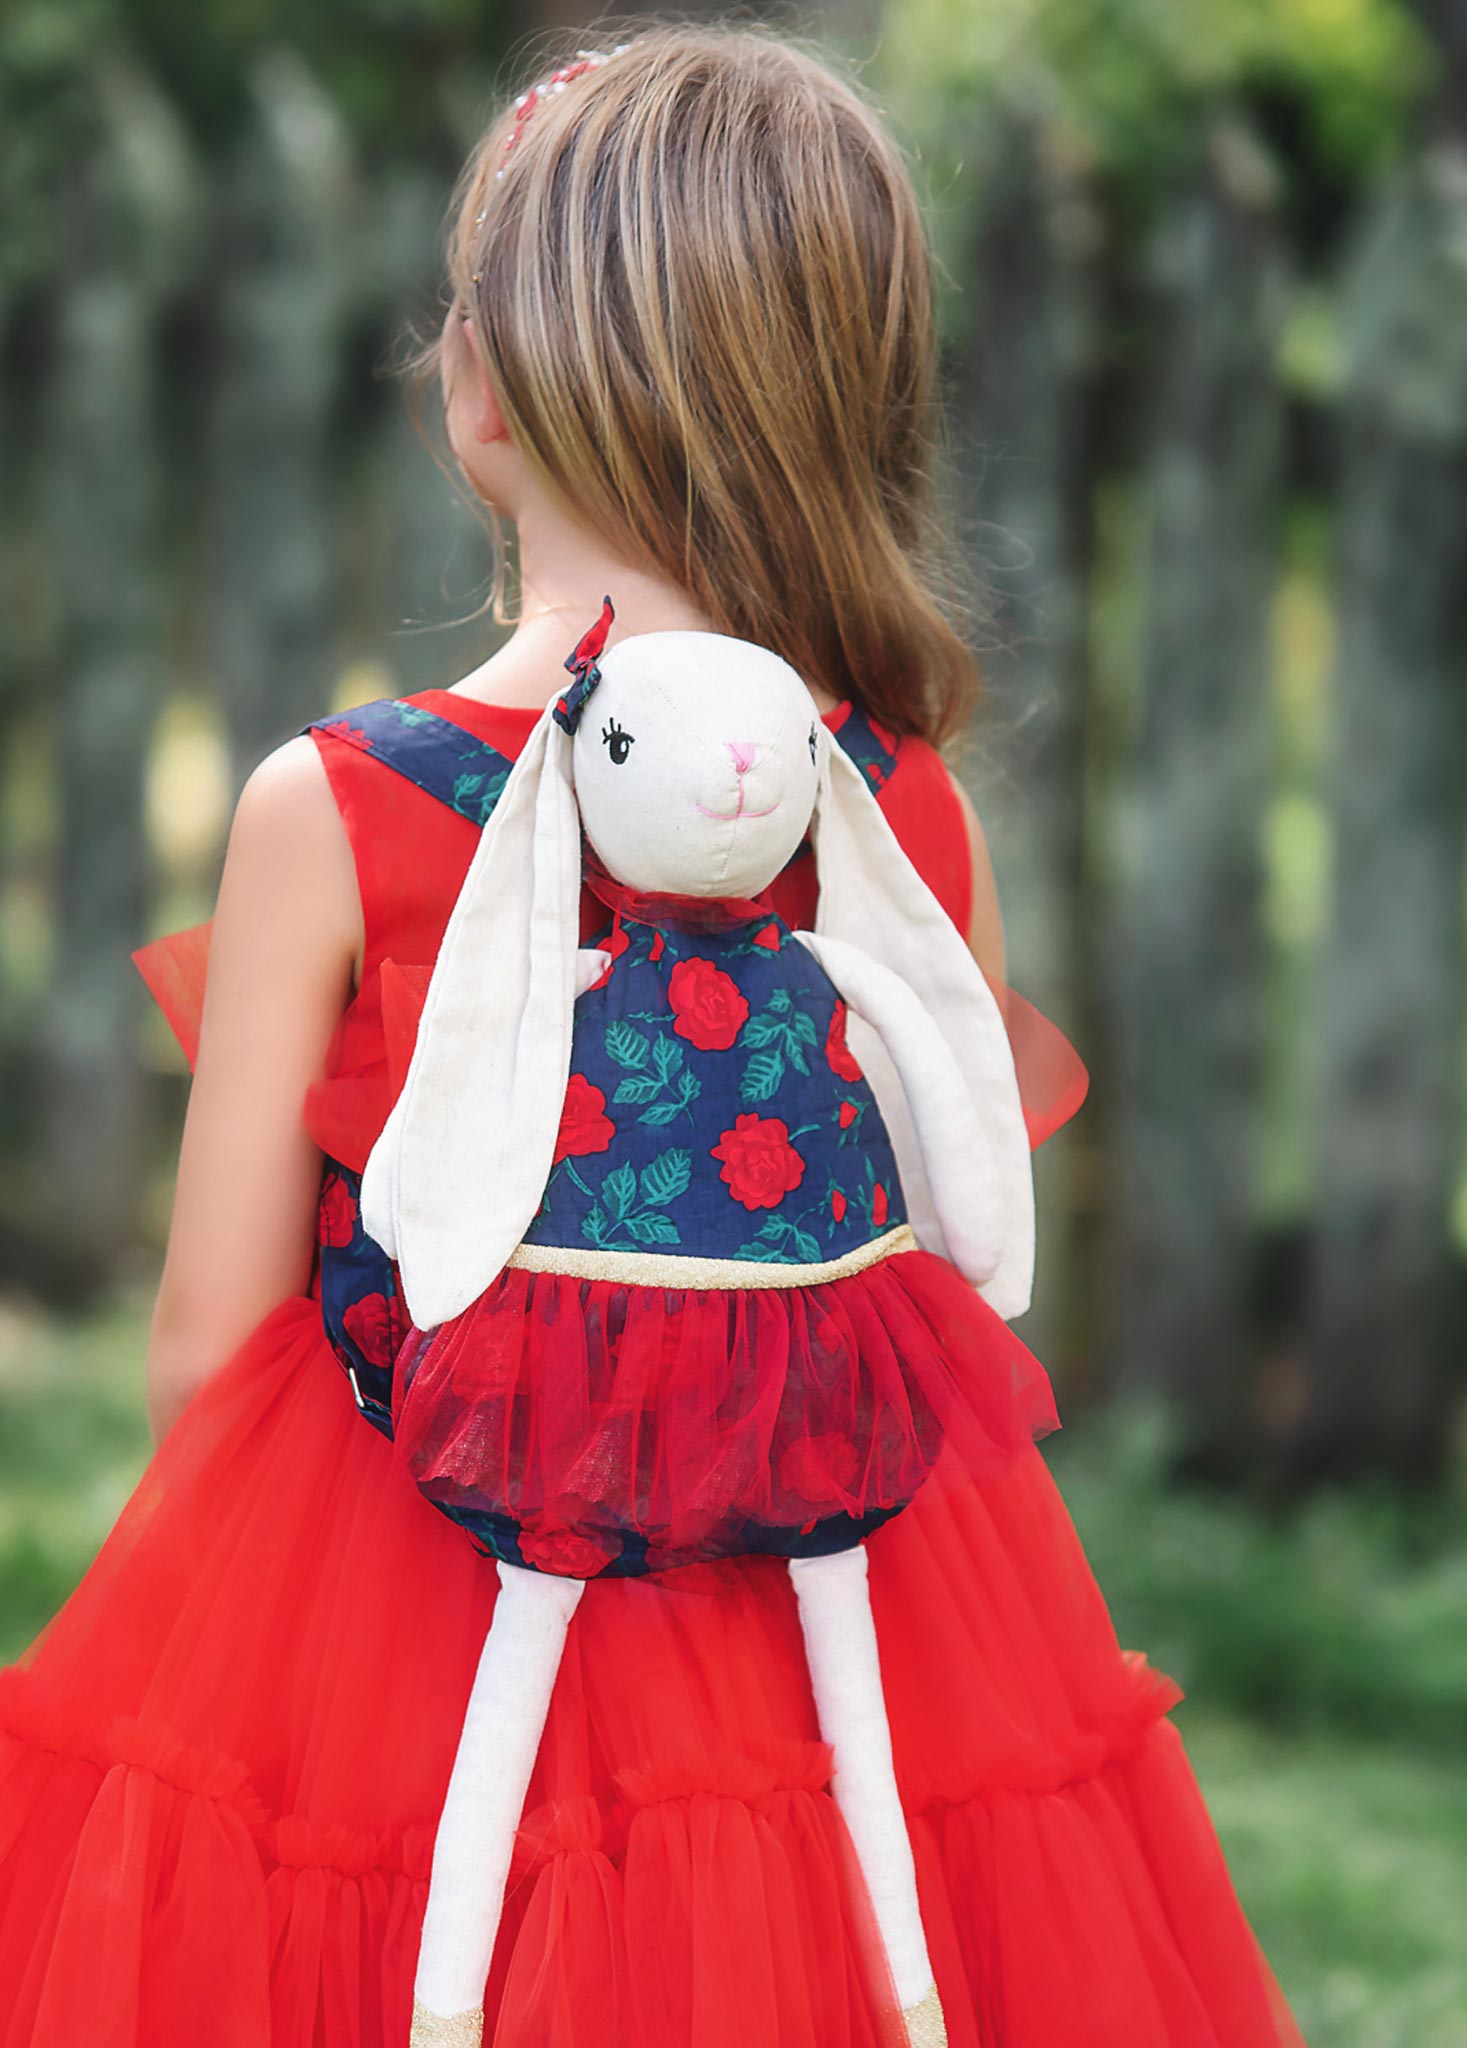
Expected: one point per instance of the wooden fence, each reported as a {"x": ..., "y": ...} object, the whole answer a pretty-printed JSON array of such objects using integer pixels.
[{"x": 217, "y": 510}]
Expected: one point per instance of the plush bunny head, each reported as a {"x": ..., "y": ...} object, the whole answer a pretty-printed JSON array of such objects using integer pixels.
[{"x": 695, "y": 763}]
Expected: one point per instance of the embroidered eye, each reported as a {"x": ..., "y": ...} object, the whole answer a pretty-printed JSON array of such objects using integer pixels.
[
  {"x": 812, "y": 742},
  {"x": 617, "y": 741}
]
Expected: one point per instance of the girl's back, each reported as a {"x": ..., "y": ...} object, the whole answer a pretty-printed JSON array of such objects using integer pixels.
[{"x": 689, "y": 352}]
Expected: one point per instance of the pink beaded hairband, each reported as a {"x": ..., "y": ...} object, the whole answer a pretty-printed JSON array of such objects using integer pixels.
[{"x": 525, "y": 105}]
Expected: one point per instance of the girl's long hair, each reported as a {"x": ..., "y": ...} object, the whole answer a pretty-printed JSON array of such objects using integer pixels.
[{"x": 704, "y": 291}]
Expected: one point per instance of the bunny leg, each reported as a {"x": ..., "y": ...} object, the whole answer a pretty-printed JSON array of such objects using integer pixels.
[
  {"x": 845, "y": 1675},
  {"x": 486, "y": 1798}
]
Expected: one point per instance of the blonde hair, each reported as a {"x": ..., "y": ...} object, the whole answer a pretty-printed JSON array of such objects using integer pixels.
[{"x": 703, "y": 289}]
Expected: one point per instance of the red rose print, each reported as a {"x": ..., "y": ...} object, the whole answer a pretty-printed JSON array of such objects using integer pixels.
[
  {"x": 371, "y": 1326},
  {"x": 819, "y": 1468},
  {"x": 837, "y": 1052},
  {"x": 657, "y": 948},
  {"x": 769, "y": 937},
  {"x": 584, "y": 1125},
  {"x": 837, "y": 1205},
  {"x": 878, "y": 1205},
  {"x": 848, "y": 1114},
  {"x": 564, "y": 1553},
  {"x": 710, "y": 1011},
  {"x": 338, "y": 1213},
  {"x": 760, "y": 1164},
  {"x": 353, "y": 736}
]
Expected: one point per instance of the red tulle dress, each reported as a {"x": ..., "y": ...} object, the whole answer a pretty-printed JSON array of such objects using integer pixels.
[{"x": 222, "y": 1763}]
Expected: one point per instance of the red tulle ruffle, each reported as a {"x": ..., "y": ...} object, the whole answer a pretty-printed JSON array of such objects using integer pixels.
[
  {"x": 221, "y": 1771},
  {"x": 710, "y": 1423}
]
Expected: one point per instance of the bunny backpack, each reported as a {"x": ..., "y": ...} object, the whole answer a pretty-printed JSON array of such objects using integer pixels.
[{"x": 683, "y": 1284}]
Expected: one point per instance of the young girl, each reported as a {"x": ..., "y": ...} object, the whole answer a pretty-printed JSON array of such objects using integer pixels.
[{"x": 690, "y": 355}]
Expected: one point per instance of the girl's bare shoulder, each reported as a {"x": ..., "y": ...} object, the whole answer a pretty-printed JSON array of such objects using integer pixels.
[{"x": 288, "y": 865}]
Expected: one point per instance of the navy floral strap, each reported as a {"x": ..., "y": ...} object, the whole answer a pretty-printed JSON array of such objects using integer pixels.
[
  {"x": 466, "y": 773},
  {"x": 441, "y": 757},
  {"x": 873, "y": 749}
]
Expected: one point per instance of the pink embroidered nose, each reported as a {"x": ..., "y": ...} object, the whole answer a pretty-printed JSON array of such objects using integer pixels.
[{"x": 745, "y": 753}]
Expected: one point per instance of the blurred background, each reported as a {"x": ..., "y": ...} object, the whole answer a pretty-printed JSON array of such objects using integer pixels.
[{"x": 1204, "y": 300}]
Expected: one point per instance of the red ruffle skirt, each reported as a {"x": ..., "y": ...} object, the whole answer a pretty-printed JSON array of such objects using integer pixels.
[
  {"x": 609, "y": 1424},
  {"x": 221, "y": 1768}
]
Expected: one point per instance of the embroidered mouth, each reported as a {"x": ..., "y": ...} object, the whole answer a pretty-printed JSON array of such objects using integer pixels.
[{"x": 728, "y": 816}]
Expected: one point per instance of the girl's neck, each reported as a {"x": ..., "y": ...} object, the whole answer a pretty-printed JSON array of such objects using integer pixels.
[{"x": 564, "y": 573}]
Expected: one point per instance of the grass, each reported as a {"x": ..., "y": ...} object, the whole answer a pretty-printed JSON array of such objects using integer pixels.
[
  {"x": 1324, "y": 1654},
  {"x": 73, "y": 1439}
]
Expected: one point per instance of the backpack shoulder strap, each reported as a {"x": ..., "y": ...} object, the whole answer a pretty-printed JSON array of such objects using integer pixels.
[
  {"x": 873, "y": 749},
  {"x": 439, "y": 756}
]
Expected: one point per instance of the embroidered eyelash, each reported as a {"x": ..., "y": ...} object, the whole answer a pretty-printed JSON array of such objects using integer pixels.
[{"x": 617, "y": 740}]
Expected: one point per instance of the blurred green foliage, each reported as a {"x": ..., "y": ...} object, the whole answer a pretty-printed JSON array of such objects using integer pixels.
[
  {"x": 1339, "y": 1613},
  {"x": 1130, "y": 77},
  {"x": 407, "y": 77},
  {"x": 73, "y": 1439}
]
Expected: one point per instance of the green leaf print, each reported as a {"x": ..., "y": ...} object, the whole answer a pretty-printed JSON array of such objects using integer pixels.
[
  {"x": 634, "y": 1049},
  {"x": 474, "y": 796},
  {"x": 627, "y": 1047},
  {"x": 667, "y": 1177},
  {"x": 762, "y": 1076},
  {"x": 761, "y": 1031},
  {"x": 634, "y": 1220},
  {"x": 650, "y": 1228}
]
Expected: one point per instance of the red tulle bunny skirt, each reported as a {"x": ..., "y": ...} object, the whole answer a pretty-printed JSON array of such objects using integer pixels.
[{"x": 584, "y": 1425}]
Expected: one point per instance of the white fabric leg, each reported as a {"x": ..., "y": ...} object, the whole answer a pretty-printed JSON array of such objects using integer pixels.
[
  {"x": 486, "y": 1798},
  {"x": 845, "y": 1675}
]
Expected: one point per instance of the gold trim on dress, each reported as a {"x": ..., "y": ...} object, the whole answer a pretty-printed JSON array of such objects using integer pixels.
[
  {"x": 464, "y": 2030},
  {"x": 926, "y": 2027},
  {"x": 670, "y": 1269}
]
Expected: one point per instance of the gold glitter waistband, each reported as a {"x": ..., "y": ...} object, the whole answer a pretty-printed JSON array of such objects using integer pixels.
[{"x": 669, "y": 1269}]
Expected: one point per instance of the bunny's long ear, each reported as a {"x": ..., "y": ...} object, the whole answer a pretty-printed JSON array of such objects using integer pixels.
[
  {"x": 460, "y": 1168},
  {"x": 873, "y": 897}
]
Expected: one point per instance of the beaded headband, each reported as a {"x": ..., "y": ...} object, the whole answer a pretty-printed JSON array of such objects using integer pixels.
[{"x": 525, "y": 105}]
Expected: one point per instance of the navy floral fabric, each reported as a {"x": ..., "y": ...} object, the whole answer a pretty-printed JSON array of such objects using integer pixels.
[
  {"x": 834, "y": 1185},
  {"x": 454, "y": 765},
  {"x": 362, "y": 1309},
  {"x": 501, "y": 1537},
  {"x": 873, "y": 749},
  {"x": 714, "y": 1109}
]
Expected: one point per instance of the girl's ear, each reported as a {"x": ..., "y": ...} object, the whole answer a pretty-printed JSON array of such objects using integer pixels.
[
  {"x": 488, "y": 415},
  {"x": 871, "y": 896},
  {"x": 460, "y": 1169}
]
